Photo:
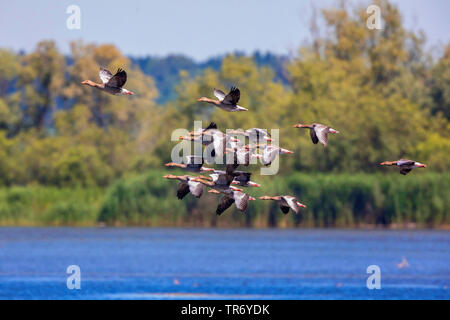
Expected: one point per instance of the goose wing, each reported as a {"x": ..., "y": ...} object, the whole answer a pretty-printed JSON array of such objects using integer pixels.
[
  {"x": 230, "y": 168},
  {"x": 225, "y": 202},
  {"x": 258, "y": 132},
  {"x": 321, "y": 132},
  {"x": 212, "y": 125},
  {"x": 223, "y": 179},
  {"x": 405, "y": 171},
  {"x": 284, "y": 208},
  {"x": 219, "y": 94},
  {"x": 196, "y": 188},
  {"x": 269, "y": 154},
  {"x": 183, "y": 190},
  {"x": 241, "y": 200},
  {"x": 105, "y": 75},
  {"x": 219, "y": 143},
  {"x": 242, "y": 156},
  {"x": 242, "y": 176},
  {"x": 232, "y": 98},
  {"x": 291, "y": 202},
  {"x": 118, "y": 80},
  {"x": 313, "y": 135}
]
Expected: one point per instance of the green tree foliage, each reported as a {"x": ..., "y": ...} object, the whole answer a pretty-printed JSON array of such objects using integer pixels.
[
  {"x": 370, "y": 85},
  {"x": 440, "y": 87},
  {"x": 41, "y": 79},
  {"x": 88, "y": 137}
]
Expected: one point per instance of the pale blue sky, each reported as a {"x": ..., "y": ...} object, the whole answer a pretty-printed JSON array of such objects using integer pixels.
[{"x": 197, "y": 28}]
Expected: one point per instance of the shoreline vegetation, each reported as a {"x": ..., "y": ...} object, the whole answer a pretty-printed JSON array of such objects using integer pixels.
[{"x": 334, "y": 201}]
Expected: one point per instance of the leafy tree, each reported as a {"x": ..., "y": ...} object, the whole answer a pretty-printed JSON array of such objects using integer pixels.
[
  {"x": 440, "y": 88},
  {"x": 41, "y": 79}
]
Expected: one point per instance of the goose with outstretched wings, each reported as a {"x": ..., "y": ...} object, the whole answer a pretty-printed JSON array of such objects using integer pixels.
[
  {"x": 227, "y": 102},
  {"x": 318, "y": 132},
  {"x": 112, "y": 84},
  {"x": 286, "y": 203},
  {"x": 405, "y": 165}
]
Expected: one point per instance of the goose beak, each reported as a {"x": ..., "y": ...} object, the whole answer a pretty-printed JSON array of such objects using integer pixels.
[
  {"x": 129, "y": 93},
  {"x": 252, "y": 199},
  {"x": 254, "y": 184},
  {"x": 423, "y": 166},
  {"x": 334, "y": 131},
  {"x": 181, "y": 138},
  {"x": 301, "y": 205},
  {"x": 166, "y": 176},
  {"x": 287, "y": 151},
  {"x": 268, "y": 139}
]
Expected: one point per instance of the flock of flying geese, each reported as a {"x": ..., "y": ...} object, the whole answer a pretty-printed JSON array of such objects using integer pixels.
[{"x": 234, "y": 150}]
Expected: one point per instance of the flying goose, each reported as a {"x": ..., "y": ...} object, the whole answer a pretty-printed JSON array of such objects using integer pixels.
[
  {"x": 220, "y": 182},
  {"x": 254, "y": 134},
  {"x": 405, "y": 165},
  {"x": 319, "y": 132},
  {"x": 269, "y": 152},
  {"x": 286, "y": 203},
  {"x": 111, "y": 83},
  {"x": 187, "y": 185},
  {"x": 226, "y": 102},
  {"x": 241, "y": 178}
]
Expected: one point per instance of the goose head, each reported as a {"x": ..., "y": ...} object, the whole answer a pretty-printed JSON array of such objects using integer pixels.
[
  {"x": 127, "y": 92},
  {"x": 285, "y": 151},
  {"x": 301, "y": 205},
  {"x": 420, "y": 165}
]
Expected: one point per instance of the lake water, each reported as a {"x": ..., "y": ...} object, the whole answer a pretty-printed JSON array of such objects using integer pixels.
[{"x": 145, "y": 263}]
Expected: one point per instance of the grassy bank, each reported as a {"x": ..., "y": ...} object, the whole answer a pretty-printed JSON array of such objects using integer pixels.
[
  {"x": 339, "y": 200},
  {"x": 49, "y": 206}
]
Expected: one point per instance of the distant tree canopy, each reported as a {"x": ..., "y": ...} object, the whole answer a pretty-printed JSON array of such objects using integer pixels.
[
  {"x": 380, "y": 88},
  {"x": 167, "y": 71}
]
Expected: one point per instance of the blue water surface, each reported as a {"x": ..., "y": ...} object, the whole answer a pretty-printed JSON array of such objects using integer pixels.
[{"x": 149, "y": 263}]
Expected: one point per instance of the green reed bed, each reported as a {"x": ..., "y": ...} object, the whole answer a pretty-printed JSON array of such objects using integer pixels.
[{"x": 334, "y": 200}]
